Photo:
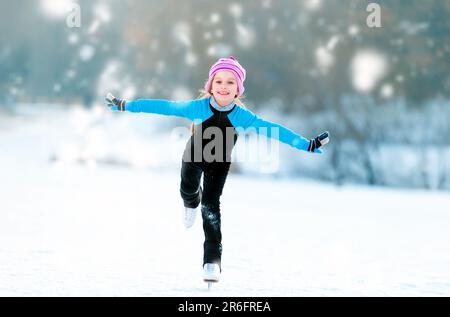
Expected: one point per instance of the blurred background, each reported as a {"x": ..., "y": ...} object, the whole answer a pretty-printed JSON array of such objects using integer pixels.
[{"x": 313, "y": 65}]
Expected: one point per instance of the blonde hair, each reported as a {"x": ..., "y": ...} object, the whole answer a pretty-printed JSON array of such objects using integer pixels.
[{"x": 205, "y": 94}]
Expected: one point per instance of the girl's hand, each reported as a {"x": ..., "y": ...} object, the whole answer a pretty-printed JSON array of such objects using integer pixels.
[
  {"x": 115, "y": 103},
  {"x": 318, "y": 141}
]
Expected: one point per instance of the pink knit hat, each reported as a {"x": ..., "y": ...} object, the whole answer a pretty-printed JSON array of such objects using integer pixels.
[{"x": 230, "y": 64}]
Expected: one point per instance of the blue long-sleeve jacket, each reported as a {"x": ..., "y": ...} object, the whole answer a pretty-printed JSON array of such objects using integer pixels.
[{"x": 206, "y": 113}]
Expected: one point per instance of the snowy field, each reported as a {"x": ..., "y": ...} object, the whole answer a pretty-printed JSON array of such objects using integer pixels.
[{"x": 114, "y": 229}]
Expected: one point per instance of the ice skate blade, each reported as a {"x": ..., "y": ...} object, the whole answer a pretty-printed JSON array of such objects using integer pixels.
[{"x": 210, "y": 284}]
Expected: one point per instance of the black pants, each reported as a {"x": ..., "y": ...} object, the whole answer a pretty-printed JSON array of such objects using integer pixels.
[{"x": 214, "y": 177}]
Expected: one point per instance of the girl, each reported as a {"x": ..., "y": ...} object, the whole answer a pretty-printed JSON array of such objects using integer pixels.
[{"x": 218, "y": 113}]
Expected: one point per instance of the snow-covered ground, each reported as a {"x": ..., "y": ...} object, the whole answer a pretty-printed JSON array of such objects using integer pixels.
[{"x": 79, "y": 221}]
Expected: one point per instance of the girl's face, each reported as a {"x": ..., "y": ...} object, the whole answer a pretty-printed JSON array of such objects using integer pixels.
[{"x": 224, "y": 87}]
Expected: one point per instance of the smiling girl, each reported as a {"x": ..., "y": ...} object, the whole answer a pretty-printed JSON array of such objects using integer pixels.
[{"x": 218, "y": 117}]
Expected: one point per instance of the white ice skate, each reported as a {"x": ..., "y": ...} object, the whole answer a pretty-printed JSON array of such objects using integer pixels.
[
  {"x": 189, "y": 216},
  {"x": 211, "y": 273}
]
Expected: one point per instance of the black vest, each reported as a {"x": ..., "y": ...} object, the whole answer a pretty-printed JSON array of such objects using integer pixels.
[{"x": 213, "y": 140}]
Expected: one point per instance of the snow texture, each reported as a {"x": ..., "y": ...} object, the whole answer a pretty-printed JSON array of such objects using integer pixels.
[{"x": 70, "y": 228}]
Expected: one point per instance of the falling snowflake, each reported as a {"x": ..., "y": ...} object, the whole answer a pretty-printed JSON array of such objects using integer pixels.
[
  {"x": 411, "y": 28},
  {"x": 181, "y": 93},
  {"x": 56, "y": 8},
  {"x": 324, "y": 58},
  {"x": 87, "y": 52},
  {"x": 102, "y": 12},
  {"x": 191, "y": 58},
  {"x": 128, "y": 92},
  {"x": 353, "y": 30},
  {"x": 387, "y": 91},
  {"x": 246, "y": 37},
  {"x": 215, "y": 18},
  {"x": 71, "y": 73},
  {"x": 182, "y": 33},
  {"x": 93, "y": 27},
  {"x": 312, "y": 5},
  {"x": 236, "y": 10},
  {"x": 219, "y": 50},
  {"x": 400, "y": 78},
  {"x": 332, "y": 42},
  {"x": 266, "y": 4},
  {"x": 368, "y": 68},
  {"x": 73, "y": 39}
]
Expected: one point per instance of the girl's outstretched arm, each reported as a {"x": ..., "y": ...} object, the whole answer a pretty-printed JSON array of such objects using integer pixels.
[
  {"x": 185, "y": 109},
  {"x": 247, "y": 120}
]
